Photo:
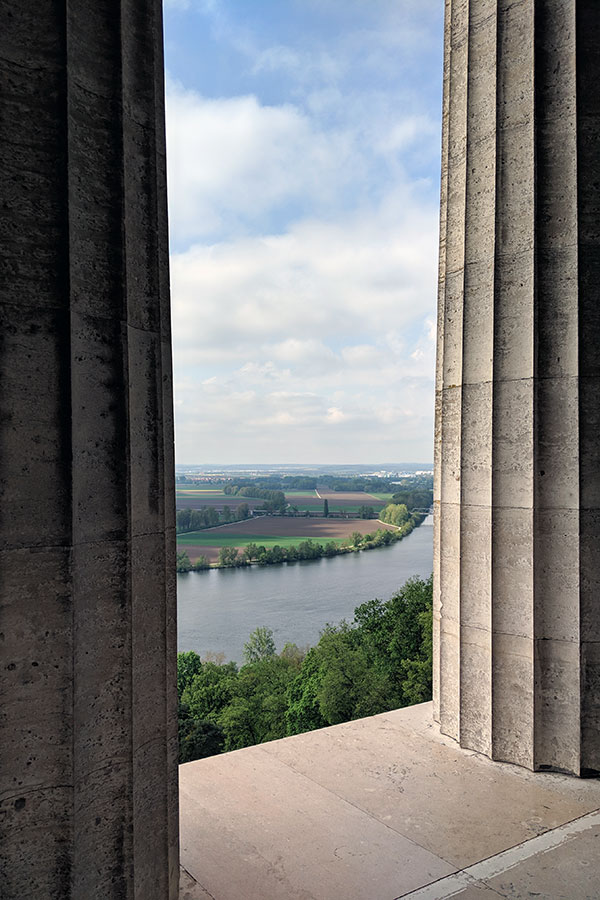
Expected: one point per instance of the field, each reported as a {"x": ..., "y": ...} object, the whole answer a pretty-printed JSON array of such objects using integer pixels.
[
  {"x": 196, "y": 498},
  {"x": 271, "y": 530},
  {"x": 191, "y": 497},
  {"x": 350, "y": 498},
  {"x": 339, "y": 501}
]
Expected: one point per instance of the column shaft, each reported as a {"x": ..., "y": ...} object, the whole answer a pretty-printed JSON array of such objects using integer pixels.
[
  {"x": 517, "y": 565},
  {"x": 88, "y": 749}
]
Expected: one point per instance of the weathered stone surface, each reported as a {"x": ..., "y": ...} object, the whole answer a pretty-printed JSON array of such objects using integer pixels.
[
  {"x": 379, "y": 808},
  {"x": 88, "y": 741},
  {"x": 517, "y": 484}
]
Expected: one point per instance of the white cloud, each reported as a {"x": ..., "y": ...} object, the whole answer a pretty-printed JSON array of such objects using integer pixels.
[
  {"x": 234, "y": 160},
  {"x": 304, "y": 277},
  {"x": 309, "y": 286}
]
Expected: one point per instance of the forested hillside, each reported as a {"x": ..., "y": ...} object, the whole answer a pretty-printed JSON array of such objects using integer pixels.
[{"x": 381, "y": 660}]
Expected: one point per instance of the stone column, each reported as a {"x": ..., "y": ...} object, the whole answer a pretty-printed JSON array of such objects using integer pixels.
[
  {"x": 517, "y": 494},
  {"x": 88, "y": 739}
]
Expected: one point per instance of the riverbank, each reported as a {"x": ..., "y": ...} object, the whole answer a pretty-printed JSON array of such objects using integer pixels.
[
  {"x": 256, "y": 549},
  {"x": 220, "y": 608}
]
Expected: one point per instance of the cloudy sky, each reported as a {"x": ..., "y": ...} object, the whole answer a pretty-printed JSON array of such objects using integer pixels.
[{"x": 303, "y": 151}]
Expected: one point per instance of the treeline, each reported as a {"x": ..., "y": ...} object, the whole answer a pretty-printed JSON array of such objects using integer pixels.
[
  {"x": 279, "y": 482},
  {"x": 415, "y": 482},
  {"x": 420, "y": 498},
  {"x": 207, "y": 517},
  {"x": 394, "y": 514},
  {"x": 231, "y": 557},
  {"x": 184, "y": 564},
  {"x": 366, "y": 512},
  {"x": 382, "y": 660},
  {"x": 274, "y": 500}
]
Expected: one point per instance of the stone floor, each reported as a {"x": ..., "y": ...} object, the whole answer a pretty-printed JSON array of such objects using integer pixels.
[{"x": 383, "y": 808}]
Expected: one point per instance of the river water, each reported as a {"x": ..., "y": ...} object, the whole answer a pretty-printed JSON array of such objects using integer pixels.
[{"x": 218, "y": 609}]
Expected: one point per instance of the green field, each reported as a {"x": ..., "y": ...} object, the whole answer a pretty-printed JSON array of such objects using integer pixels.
[
  {"x": 299, "y": 493},
  {"x": 312, "y": 506},
  {"x": 386, "y": 497},
  {"x": 318, "y": 507},
  {"x": 241, "y": 540}
]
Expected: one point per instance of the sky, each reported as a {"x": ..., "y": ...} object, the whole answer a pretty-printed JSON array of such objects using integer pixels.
[{"x": 303, "y": 145}]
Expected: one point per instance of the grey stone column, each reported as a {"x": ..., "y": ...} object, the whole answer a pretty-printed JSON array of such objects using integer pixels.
[
  {"x": 517, "y": 492},
  {"x": 88, "y": 740}
]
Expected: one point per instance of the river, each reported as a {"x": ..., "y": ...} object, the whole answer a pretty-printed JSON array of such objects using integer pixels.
[{"x": 218, "y": 609}]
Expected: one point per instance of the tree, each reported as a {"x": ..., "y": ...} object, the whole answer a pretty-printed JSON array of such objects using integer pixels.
[
  {"x": 256, "y": 712},
  {"x": 189, "y": 664},
  {"x": 209, "y": 691},
  {"x": 250, "y": 552},
  {"x": 366, "y": 512},
  {"x": 242, "y": 511},
  {"x": 417, "y": 683},
  {"x": 201, "y": 563},
  {"x": 198, "y": 739},
  {"x": 183, "y": 563},
  {"x": 226, "y": 514},
  {"x": 356, "y": 539},
  {"x": 303, "y": 712},
  {"x": 228, "y": 556},
  {"x": 294, "y": 654},
  {"x": 276, "y": 554},
  {"x": 394, "y": 514},
  {"x": 325, "y": 508},
  {"x": 260, "y": 645}
]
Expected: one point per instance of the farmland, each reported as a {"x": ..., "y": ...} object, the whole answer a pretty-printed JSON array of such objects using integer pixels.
[
  {"x": 197, "y": 498},
  {"x": 343, "y": 502},
  {"x": 270, "y": 531}
]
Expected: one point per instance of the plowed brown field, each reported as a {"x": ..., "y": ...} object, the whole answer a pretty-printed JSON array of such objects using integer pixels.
[
  {"x": 199, "y": 499},
  {"x": 302, "y": 527}
]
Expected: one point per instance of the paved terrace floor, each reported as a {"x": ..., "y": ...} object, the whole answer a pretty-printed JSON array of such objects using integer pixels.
[{"x": 383, "y": 808}]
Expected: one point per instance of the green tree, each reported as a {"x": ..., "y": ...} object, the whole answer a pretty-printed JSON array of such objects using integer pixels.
[
  {"x": 303, "y": 712},
  {"x": 198, "y": 739},
  {"x": 189, "y": 664},
  {"x": 242, "y": 511},
  {"x": 394, "y": 514},
  {"x": 210, "y": 690},
  {"x": 260, "y": 645},
  {"x": 325, "y": 508},
  {"x": 417, "y": 672},
  {"x": 256, "y": 712},
  {"x": 183, "y": 563},
  {"x": 201, "y": 563},
  {"x": 228, "y": 556},
  {"x": 366, "y": 512},
  {"x": 250, "y": 552},
  {"x": 277, "y": 554}
]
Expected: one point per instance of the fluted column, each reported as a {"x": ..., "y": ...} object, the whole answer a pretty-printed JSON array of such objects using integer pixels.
[
  {"x": 517, "y": 493},
  {"x": 88, "y": 739}
]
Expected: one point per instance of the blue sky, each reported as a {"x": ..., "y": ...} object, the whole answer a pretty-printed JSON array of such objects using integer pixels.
[{"x": 303, "y": 154}]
